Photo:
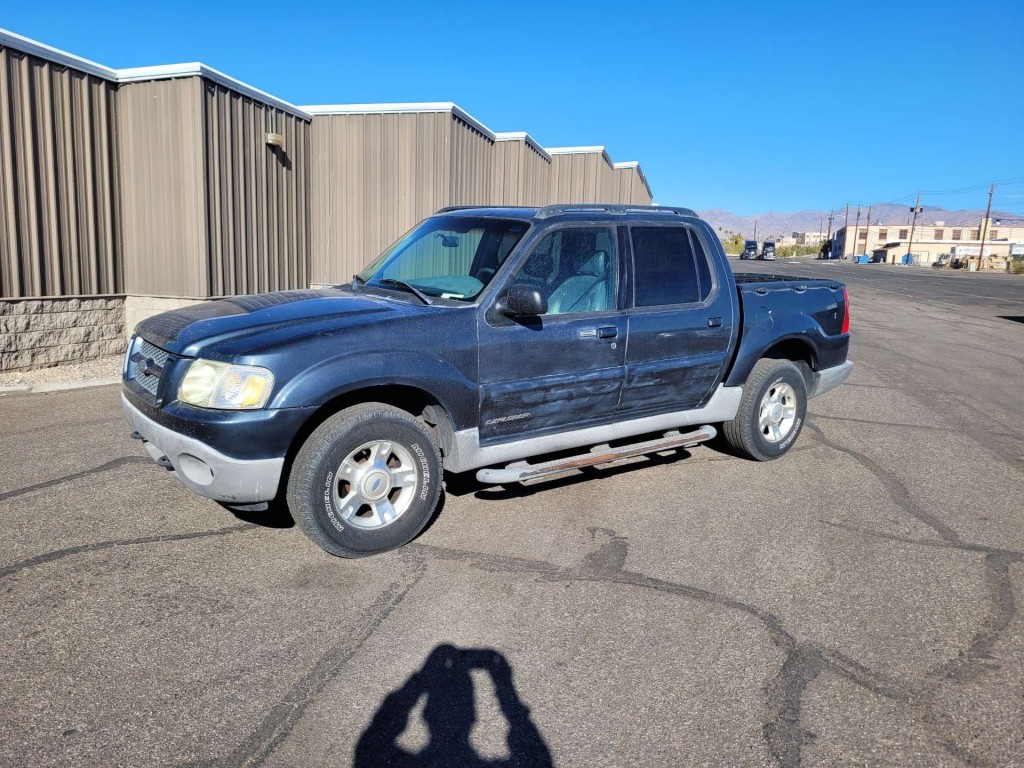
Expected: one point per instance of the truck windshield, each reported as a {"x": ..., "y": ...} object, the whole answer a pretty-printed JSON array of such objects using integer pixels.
[{"x": 453, "y": 257}]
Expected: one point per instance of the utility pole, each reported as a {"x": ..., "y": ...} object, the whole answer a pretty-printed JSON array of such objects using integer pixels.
[
  {"x": 984, "y": 225},
  {"x": 915, "y": 210},
  {"x": 829, "y": 235},
  {"x": 853, "y": 251},
  {"x": 755, "y": 230},
  {"x": 867, "y": 233},
  {"x": 846, "y": 230}
]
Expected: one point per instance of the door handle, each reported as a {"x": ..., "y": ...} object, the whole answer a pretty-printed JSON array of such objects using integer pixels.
[
  {"x": 607, "y": 332},
  {"x": 714, "y": 322}
]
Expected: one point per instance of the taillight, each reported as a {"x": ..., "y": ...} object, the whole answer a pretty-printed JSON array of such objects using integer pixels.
[{"x": 846, "y": 312}]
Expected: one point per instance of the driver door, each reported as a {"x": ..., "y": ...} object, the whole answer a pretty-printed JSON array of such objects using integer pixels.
[{"x": 563, "y": 369}]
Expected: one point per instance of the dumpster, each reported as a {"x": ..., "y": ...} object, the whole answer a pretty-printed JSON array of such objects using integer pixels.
[{"x": 863, "y": 259}]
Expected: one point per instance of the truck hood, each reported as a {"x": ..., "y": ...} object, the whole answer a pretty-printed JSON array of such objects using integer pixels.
[{"x": 223, "y": 329}]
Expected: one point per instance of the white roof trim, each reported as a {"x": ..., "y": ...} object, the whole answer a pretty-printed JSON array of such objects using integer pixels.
[
  {"x": 400, "y": 108},
  {"x": 12, "y": 40},
  {"x": 198, "y": 69},
  {"x": 581, "y": 151},
  {"x": 17, "y": 42},
  {"x": 640, "y": 171},
  {"x": 523, "y": 136},
  {"x": 138, "y": 74}
]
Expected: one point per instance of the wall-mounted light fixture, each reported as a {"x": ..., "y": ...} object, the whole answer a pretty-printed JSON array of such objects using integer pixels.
[{"x": 275, "y": 139}]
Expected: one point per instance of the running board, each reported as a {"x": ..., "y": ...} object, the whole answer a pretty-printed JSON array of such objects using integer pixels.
[{"x": 599, "y": 454}]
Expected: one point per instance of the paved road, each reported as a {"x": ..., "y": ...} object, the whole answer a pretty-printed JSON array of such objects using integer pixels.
[{"x": 853, "y": 604}]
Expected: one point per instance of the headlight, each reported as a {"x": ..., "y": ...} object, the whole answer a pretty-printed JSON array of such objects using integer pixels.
[{"x": 219, "y": 385}]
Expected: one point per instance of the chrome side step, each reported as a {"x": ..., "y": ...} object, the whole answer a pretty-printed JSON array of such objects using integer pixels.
[{"x": 599, "y": 454}]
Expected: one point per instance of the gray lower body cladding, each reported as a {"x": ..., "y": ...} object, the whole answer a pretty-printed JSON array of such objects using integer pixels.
[
  {"x": 469, "y": 454},
  {"x": 203, "y": 469}
]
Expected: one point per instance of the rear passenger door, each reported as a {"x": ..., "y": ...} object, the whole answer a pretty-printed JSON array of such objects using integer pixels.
[{"x": 680, "y": 321}]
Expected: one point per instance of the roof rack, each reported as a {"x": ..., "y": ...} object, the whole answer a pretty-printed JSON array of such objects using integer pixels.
[
  {"x": 450, "y": 208},
  {"x": 552, "y": 210}
]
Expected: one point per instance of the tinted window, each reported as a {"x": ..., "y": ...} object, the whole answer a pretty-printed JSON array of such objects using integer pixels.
[
  {"x": 576, "y": 269},
  {"x": 703, "y": 270},
  {"x": 449, "y": 256},
  {"x": 665, "y": 268}
]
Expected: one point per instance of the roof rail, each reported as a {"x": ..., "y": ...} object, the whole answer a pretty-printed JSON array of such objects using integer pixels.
[
  {"x": 450, "y": 208},
  {"x": 552, "y": 210}
]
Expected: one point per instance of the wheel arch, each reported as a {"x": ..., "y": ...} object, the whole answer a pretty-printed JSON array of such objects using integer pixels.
[
  {"x": 798, "y": 349},
  {"x": 414, "y": 400}
]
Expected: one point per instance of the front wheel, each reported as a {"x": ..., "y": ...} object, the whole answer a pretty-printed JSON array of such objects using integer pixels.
[
  {"x": 771, "y": 412},
  {"x": 366, "y": 480}
]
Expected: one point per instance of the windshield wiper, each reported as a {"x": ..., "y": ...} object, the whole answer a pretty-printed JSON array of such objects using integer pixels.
[{"x": 392, "y": 283}]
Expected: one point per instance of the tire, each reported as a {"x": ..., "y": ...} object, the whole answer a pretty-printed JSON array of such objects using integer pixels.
[
  {"x": 761, "y": 431},
  {"x": 351, "y": 499}
]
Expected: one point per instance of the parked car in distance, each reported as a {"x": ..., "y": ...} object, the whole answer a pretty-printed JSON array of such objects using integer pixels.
[
  {"x": 749, "y": 249},
  {"x": 513, "y": 342},
  {"x": 768, "y": 251}
]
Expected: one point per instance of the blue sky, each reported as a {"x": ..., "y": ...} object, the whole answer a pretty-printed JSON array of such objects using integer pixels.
[{"x": 746, "y": 106}]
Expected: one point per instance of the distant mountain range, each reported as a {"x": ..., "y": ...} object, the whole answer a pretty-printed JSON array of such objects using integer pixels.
[{"x": 782, "y": 224}]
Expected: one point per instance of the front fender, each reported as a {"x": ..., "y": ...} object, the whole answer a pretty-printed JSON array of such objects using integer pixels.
[{"x": 337, "y": 376}]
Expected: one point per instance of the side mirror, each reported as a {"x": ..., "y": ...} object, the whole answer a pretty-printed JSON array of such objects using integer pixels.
[{"x": 522, "y": 300}]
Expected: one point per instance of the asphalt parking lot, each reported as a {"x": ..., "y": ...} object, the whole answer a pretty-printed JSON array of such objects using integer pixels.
[{"x": 855, "y": 603}]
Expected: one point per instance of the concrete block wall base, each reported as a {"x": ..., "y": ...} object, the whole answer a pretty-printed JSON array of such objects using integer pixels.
[
  {"x": 138, "y": 308},
  {"x": 39, "y": 333}
]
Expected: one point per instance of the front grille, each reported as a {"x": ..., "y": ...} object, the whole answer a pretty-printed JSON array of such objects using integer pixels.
[{"x": 146, "y": 365}]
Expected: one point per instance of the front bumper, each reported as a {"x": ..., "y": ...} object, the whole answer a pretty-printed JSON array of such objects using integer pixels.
[
  {"x": 203, "y": 469},
  {"x": 830, "y": 378}
]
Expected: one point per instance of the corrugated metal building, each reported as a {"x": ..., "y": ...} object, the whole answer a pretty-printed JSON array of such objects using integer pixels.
[
  {"x": 181, "y": 182},
  {"x": 58, "y": 181},
  {"x": 380, "y": 168},
  {"x": 209, "y": 207}
]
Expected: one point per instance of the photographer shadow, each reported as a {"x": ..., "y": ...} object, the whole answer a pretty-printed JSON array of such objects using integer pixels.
[{"x": 449, "y": 714}]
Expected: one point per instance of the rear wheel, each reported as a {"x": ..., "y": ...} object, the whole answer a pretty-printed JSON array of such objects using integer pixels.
[
  {"x": 367, "y": 480},
  {"x": 771, "y": 412}
]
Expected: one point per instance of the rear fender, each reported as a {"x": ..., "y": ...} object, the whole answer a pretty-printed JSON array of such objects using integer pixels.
[{"x": 756, "y": 343}]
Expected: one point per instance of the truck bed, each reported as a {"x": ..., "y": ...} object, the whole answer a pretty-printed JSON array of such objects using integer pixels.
[{"x": 778, "y": 308}]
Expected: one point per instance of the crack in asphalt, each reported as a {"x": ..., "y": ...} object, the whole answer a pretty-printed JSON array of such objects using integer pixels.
[
  {"x": 893, "y": 485},
  {"x": 890, "y": 425},
  {"x": 112, "y": 464},
  {"x": 58, "y": 554},
  {"x": 977, "y": 659},
  {"x": 804, "y": 661},
  {"x": 63, "y": 425},
  {"x": 930, "y": 402},
  {"x": 283, "y": 717}
]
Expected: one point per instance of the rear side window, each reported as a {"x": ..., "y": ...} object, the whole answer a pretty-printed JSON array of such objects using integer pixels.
[{"x": 670, "y": 267}]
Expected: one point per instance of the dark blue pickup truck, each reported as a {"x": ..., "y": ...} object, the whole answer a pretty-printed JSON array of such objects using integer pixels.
[{"x": 568, "y": 335}]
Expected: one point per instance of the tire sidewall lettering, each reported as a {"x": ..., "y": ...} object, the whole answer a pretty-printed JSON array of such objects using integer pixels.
[
  {"x": 777, "y": 449},
  {"x": 424, "y": 473},
  {"x": 329, "y": 501},
  {"x": 424, "y": 464}
]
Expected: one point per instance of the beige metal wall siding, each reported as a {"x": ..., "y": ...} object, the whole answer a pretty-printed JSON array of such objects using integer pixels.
[
  {"x": 536, "y": 178},
  {"x": 583, "y": 177},
  {"x": 472, "y": 164},
  {"x": 520, "y": 175},
  {"x": 163, "y": 197},
  {"x": 631, "y": 188},
  {"x": 257, "y": 196},
  {"x": 58, "y": 189},
  {"x": 373, "y": 177}
]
